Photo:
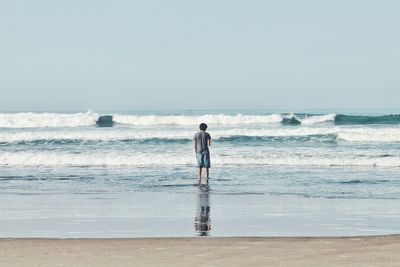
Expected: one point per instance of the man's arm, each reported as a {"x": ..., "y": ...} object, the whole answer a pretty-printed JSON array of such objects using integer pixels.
[{"x": 195, "y": 146}]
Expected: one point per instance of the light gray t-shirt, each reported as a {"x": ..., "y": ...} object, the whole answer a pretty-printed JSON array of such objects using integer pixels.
[{"x": 202, "y": 142}]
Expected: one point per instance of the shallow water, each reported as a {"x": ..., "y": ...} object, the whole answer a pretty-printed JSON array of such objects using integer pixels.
[{"x": 60, "y": 176}]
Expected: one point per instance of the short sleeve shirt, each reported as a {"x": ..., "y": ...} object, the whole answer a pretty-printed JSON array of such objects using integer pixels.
[{"x": 201, "y": 139}]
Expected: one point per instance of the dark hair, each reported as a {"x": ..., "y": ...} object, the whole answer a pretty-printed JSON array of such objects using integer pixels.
[{"x": 203, "y": 126}]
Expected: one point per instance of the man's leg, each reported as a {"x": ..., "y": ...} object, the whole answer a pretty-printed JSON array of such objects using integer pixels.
[
  {"x": 207, "y": 164},
  {"x": 199, "y": 175}
]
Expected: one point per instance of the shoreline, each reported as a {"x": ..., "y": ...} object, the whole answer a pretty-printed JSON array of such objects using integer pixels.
[
  {"x": 376, "y": 250},
  {"x": 201, "y": 237}
]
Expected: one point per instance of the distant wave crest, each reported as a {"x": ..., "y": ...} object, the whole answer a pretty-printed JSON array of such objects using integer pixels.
[
  {"x": 59, "y": 120},
  {"x": 51, "y": 120}
]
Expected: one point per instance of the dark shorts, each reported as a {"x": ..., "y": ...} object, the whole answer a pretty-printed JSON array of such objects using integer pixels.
[{"x": 203, "y": 160}]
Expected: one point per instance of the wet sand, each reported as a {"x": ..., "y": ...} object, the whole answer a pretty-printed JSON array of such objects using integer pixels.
[{"x": 251, "y": 251}]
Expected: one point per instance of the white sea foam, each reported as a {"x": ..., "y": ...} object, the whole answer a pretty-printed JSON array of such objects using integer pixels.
[
  {"x": 318, "y": 119},
  {"x": 168, "y": 159},
  {"x": 40, "y": 120},
  {"x": 92, "y": 135},
  {"x": 219, "y": 119},
  {"x": 370, "y": 135},
  {"x": 111, "y": 134},
  {"x": 142, "y": 134}
]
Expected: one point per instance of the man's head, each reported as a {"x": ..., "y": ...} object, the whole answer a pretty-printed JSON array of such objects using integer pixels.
[{"x": 203, "y": 126}]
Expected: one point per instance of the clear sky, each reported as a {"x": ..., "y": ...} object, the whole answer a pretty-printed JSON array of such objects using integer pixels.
[{"x": 126, "y": 55}]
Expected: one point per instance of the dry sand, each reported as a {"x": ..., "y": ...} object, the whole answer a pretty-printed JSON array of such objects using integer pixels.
[{"x": 353, "y": 251}]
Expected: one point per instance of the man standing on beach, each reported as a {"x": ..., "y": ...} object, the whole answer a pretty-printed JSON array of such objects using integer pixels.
[{"x": 202, "y": 140}]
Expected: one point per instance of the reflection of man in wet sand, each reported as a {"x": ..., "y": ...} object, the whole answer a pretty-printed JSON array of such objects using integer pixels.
[
  {"x": 202, "y": 140},
  {"x": 202, "y": 221}
]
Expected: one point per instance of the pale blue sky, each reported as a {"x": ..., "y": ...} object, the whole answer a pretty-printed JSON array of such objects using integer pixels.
[{"x": 124, "y": 55}]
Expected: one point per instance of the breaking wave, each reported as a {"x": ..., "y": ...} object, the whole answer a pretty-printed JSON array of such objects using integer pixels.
[
  {"x": 218, "y": 119},
  {"x": 40, "y": 120},
  {"x": 58, "y": 120}
]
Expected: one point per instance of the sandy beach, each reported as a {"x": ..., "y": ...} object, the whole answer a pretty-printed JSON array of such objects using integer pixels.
[{"x": 336, "y": 251}]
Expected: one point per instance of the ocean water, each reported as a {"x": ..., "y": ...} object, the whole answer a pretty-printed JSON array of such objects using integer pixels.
[{"x": 318, "y": 156}]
